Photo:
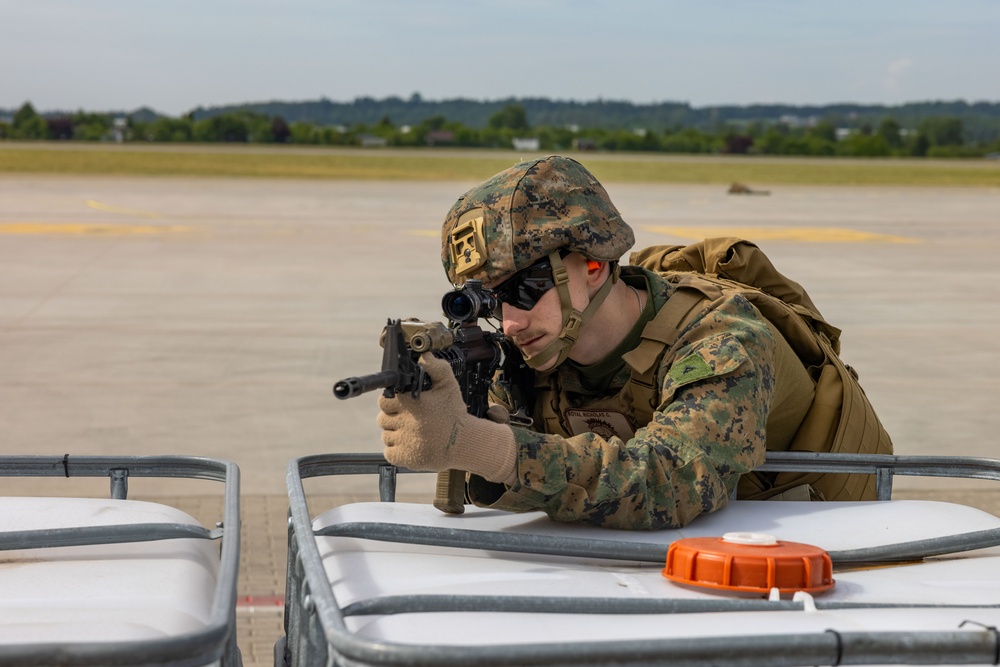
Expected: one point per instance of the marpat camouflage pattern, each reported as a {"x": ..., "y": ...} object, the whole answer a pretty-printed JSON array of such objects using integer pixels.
[
  {"x": 531, "y": 210},
  {"x": 708, "y": 430}
]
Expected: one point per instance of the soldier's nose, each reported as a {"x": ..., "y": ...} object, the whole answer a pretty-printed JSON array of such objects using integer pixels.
[{"x": 514, "y": 320}]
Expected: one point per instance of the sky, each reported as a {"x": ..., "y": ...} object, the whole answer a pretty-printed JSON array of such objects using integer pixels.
[{"x": 120, "y": 55}]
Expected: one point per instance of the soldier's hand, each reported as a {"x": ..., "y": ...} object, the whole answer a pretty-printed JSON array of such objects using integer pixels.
[{"x": 435, "y": 432}]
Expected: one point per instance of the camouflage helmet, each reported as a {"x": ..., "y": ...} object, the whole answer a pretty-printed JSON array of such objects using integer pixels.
[{"x": 526, "y": 213}]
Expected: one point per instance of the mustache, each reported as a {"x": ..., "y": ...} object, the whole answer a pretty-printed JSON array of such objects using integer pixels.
[{"x": 524, "y": 337}]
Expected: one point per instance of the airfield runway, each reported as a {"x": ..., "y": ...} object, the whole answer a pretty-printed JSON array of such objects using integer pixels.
[{"x": 211, "y": 316}]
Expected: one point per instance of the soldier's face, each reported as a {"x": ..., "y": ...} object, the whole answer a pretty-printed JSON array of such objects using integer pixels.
[{"x": 532, "y": 330}]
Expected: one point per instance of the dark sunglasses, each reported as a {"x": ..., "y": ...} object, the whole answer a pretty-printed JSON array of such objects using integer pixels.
[{"x": 525, "y": 288}]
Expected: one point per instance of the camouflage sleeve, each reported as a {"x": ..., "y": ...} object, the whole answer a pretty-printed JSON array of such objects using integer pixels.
[{"x": 708, "y": 429}]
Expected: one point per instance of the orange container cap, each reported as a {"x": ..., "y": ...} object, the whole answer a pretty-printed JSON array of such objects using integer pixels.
[{"x": 749, "y": 562}]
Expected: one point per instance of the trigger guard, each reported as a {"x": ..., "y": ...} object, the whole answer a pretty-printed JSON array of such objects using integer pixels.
[{"x": 418, "y": 385}]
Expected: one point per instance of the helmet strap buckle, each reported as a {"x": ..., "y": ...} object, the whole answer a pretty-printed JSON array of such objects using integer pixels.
[{"x": 571, "y": 330}]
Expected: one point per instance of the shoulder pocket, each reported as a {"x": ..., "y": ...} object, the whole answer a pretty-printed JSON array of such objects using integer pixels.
[{"x": 713, "y": 357}]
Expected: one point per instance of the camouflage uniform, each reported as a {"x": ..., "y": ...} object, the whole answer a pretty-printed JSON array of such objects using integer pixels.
[
  {"x": 714, "y": 395},
  {"x": 709, "y": 429}
]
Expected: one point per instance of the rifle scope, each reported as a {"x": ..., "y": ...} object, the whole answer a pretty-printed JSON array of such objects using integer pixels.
[{"x": 469, "y": 302}]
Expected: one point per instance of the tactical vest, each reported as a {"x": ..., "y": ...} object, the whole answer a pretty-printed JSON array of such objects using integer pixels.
[{"x": 840, "y": 419}]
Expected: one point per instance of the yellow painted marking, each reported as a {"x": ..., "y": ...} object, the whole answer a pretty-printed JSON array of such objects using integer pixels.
[
  {"x": 79, "y": 228},
  {"x": 798, "y": 234},
  {"x": 426, "y": 232},
  {"x": 118, "y": 209}
]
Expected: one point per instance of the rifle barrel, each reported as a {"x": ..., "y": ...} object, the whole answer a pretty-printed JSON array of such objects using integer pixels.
[{"x": 355, "y": 386}]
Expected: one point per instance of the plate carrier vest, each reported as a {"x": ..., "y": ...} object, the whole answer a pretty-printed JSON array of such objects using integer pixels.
[{"x": 840, "y": 419}]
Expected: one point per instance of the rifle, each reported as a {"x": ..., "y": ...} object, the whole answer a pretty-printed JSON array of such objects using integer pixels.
[{"x": 474, "y": 354}]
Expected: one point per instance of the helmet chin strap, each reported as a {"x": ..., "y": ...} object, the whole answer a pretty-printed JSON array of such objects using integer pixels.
[{"x": 572, "y": 319}]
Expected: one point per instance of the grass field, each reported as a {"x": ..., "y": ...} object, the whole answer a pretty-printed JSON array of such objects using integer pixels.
[{"x": 475, "y": 165}]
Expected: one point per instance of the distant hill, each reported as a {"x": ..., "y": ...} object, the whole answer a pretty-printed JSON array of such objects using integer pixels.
[{"x": 977, "y": 117}]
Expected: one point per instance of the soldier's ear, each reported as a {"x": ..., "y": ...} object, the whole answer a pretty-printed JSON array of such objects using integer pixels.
[{"x": 595, "y": 272}]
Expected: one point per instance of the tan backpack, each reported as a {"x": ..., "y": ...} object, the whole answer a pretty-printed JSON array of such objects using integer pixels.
[{"x": 841, "y": 419}]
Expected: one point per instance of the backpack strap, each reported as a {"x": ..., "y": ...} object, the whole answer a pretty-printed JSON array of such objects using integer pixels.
[{"x": 689, "y": 300}]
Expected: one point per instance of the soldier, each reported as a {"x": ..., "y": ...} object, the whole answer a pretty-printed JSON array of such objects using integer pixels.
[{"x": 546, "y": 237}]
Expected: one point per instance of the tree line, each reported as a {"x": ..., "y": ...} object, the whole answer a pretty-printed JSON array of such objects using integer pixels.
[
  {"x": 980, "y": 120},
  {"x": 931, "y": 136}
]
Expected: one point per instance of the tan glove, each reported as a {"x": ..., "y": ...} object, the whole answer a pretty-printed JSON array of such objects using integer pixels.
[
  {"x": 435, "y": 432},
  {"x": 498, "y": 413}
]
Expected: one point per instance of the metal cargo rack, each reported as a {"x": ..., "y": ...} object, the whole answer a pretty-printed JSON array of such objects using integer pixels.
[
  {"x": 214, "y": 644},
  {"x": 316, "y": 632}
]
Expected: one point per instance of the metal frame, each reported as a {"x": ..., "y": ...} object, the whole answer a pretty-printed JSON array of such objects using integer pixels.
[
  {"x": 217, "y": 641},
  {"x": 316, "y": 633}
]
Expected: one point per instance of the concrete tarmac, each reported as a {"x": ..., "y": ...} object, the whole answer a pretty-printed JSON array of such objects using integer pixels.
[{"x": 211, "y": 317}]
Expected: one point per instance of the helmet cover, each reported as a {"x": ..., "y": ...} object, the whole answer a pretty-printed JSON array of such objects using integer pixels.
[{"x": 527, "y": 212}]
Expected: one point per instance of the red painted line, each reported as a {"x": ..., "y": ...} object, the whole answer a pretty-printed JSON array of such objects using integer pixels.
[{"x": 260, "y": 601}]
